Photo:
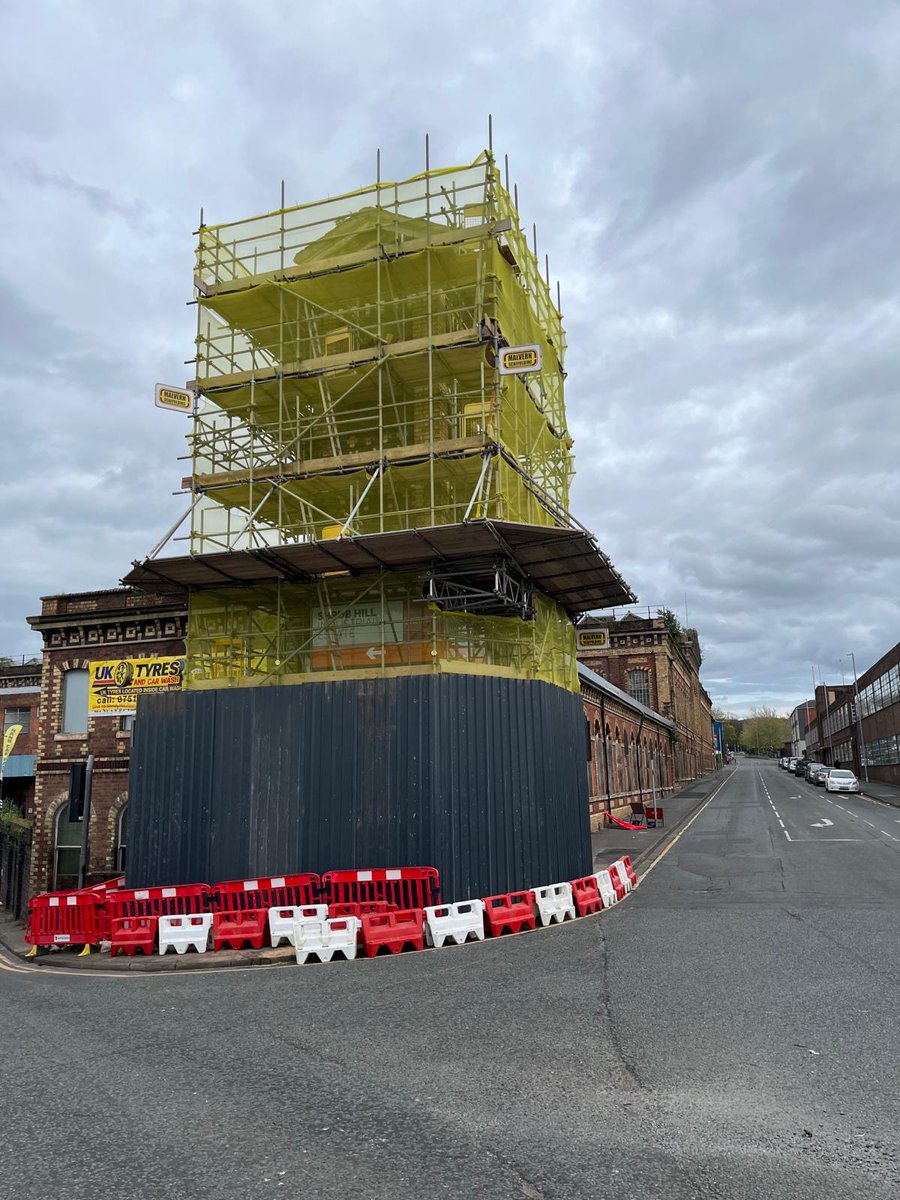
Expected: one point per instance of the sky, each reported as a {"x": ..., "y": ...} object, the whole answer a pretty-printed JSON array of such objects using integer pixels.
[{"x": 717, "y": 185}]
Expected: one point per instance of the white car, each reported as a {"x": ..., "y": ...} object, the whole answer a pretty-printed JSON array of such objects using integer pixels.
[{"x": 841, "y": 781}]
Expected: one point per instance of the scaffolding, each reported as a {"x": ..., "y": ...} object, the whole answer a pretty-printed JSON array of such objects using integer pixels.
[{"x": 348, "y": 384}]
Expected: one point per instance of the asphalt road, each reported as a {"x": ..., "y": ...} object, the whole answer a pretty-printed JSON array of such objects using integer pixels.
[{"x": 730, "y": 1031}]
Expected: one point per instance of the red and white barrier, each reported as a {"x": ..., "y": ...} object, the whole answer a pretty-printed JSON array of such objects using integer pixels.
[
  {"x": 554, "y": 902},
  {"x": 454, "y": 922}
]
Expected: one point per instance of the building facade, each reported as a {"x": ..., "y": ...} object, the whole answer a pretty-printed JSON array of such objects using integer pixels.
[
  {"x": 79, "y": 630},
  {"x": 20, "y": 699},
  {"x": 656, "y": 663},
  {"x": 631, "y": 750},
  {"x": 801, "y": 718}
]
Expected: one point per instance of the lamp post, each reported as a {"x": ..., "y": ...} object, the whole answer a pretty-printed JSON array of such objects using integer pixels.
[{"x": 859, "y": 732}]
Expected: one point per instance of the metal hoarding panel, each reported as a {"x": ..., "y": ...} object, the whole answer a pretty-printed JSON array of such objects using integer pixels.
[{"x": 479, "y": 776}]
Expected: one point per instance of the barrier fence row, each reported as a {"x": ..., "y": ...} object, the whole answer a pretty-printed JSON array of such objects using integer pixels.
[{"x": 382, "y": 909}]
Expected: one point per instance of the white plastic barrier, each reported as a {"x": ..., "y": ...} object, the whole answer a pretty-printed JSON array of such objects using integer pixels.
[
  {"x": 605, "y": 888},
  {"x": 619, "y": 865},
  {"x": 326, "y": 938},
  {"x": 283, "y": 918},
  {"x": 454, "y": 921},
  {"x": 192, "y": 929},
  {"x": 554, "y": 903}
]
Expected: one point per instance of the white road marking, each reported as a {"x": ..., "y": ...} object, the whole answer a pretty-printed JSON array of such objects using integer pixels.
[
  {"x": 780, "y": 822},
  {"x": 821, "y": 824},
  {"x": 869, "y": 823}
]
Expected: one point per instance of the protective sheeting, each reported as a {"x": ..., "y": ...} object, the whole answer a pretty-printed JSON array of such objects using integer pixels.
[{"x": 483, "y": 778}]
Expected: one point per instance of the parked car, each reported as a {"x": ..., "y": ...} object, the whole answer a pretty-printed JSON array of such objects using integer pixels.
[
  {"x": 841, "y": 781},
  {"x": 783, "y": 762},
  {"x": 809, "y": 769},
  {"x": 819, "y": 775},
  {"x": 801, "y": 766},
  {"x": 791, "y": 764}
]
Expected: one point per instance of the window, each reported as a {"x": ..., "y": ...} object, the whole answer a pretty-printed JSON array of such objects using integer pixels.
[
  {"x": 639, "y": 686},
  {"x": 67, "y": 850},
  {"x": 126, "y": 723},
  {"x": 17, "y": 716},
  {"x": 75, "y": 702},
  {"x": 121, "y": 839}
]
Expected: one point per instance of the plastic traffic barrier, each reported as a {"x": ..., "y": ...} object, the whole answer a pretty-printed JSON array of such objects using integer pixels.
[
  {"x": 618, "y": 881},
  {"x": 586, "y": 895},
  {"x": 404, "y": 887},
  {"x": 130, "y": 934},
  {"x": 393, "y": 931},
  {"x": 509, "y": 912},
  {"x": 282, "y": 920},
  {"x": 454, "y": 922},
  {"x": 158, "y": 901},
  {"x": 66, "y": 919},
  {"x": 606, "y": 889},
  {"x": 237, "y": 929},
  {"x": 336, "y": 935},
  {"x": 270, "y": 891},
  {"x": 626, "y": 872},
  {"x": 554, "y": 903},
  {"x": 182, "y": 932}
]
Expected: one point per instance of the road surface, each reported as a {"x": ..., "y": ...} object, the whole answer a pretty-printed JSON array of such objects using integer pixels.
[{"x": 729, "y": 1031}]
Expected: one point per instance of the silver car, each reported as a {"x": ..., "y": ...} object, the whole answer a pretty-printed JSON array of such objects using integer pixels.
[
  {"x": 819, "y": 774},
  {"x": 841, "y": 781}
]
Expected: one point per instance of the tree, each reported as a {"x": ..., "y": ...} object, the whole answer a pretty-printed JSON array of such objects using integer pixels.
[{"x": 765, "y": 731}]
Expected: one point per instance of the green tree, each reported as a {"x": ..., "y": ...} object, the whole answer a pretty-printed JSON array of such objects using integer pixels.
[{"x": 765, "y": 731}]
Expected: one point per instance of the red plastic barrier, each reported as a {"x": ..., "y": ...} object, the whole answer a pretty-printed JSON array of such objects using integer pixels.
[
  {"x": 65, "y": 919},
  {"x": 510, "y": 912},
  {"x": 130, "y": 934},
  {"x": 393, "y": 931},
  {"x": 271, "y": 891},
  {"x": 233, "y": 929},
  {"x": 404, "y": 887},
  {"x": 587, "y": 895},
  {"x": 176, "y": 901},
  {"x": 654, "y": 816},
  {"x": 108, "y": 885},
  {"x": 622, "y": 824},
  {"x": 617, "y": 881}
]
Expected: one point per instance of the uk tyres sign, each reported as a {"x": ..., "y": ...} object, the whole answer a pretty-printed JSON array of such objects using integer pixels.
[{"x": 116, "y": 684}]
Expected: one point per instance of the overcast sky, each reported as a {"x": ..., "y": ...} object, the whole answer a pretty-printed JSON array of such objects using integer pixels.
[{"x": 716, "y": 184}]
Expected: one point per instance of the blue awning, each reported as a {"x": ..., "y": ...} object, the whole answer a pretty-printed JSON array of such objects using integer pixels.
[{"x": 19, "y": 766}]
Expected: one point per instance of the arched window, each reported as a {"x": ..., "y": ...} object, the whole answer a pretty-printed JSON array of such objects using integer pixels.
[
  {"x": 66, "y": 851},
  {"x": 598, "y": 758},
  {"x": 626, "y": 775},
  {"x": 121, "y": 838},
  {"x": 639, "y": 686}
]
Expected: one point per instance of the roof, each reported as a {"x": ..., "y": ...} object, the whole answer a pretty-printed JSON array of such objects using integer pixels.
[
  {"x": 603, "y": 685},
  {"x": 565, "y": 564}
]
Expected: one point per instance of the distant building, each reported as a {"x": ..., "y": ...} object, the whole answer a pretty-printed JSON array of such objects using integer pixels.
[
  {"x": 20, "y": 700},
  {"x": 801, "y": 717},
  {"x": 656, "y": 662}
]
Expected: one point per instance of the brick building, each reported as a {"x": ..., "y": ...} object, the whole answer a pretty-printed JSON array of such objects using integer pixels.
[
  {"x": 632, "y": 757},
  {"x": 79, "y": 630},
  {"x": 657, "y": 663},
  {"x": 878, "y": 720}
]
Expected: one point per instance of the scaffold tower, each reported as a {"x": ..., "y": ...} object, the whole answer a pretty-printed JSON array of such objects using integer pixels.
[{"x": 372, "y": 491}]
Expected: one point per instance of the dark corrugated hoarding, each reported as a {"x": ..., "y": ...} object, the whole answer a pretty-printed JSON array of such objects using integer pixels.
[{"x": 481, "y": 777}]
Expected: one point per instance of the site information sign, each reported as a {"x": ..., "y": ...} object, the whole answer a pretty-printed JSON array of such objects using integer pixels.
[
  {"x": 519, "y": 360},
  {"x": 114, "y": 686},
  {"x": 592, "y": 639},
  {"x": 179, "y": 399}
]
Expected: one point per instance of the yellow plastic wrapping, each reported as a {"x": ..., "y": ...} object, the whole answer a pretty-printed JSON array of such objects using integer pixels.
[{"x": 346, "y": 359}]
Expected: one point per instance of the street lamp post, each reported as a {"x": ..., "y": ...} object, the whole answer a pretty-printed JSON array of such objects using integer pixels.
[{"x": 859, "y": 732}]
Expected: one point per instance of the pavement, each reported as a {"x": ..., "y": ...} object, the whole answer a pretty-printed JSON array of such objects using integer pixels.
[
  {"x": 887, "y": 793},
  {"x": 727, "y": 1033}
]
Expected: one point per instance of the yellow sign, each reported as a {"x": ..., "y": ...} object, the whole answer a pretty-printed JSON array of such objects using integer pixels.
[
  {"x": 114, "y": 685},
  {"x": 593, "y": 639},
  {"x": 518, "y": 360},
  {"x": 179, "y": 399},
  {"x": 9, "y": 740}
]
